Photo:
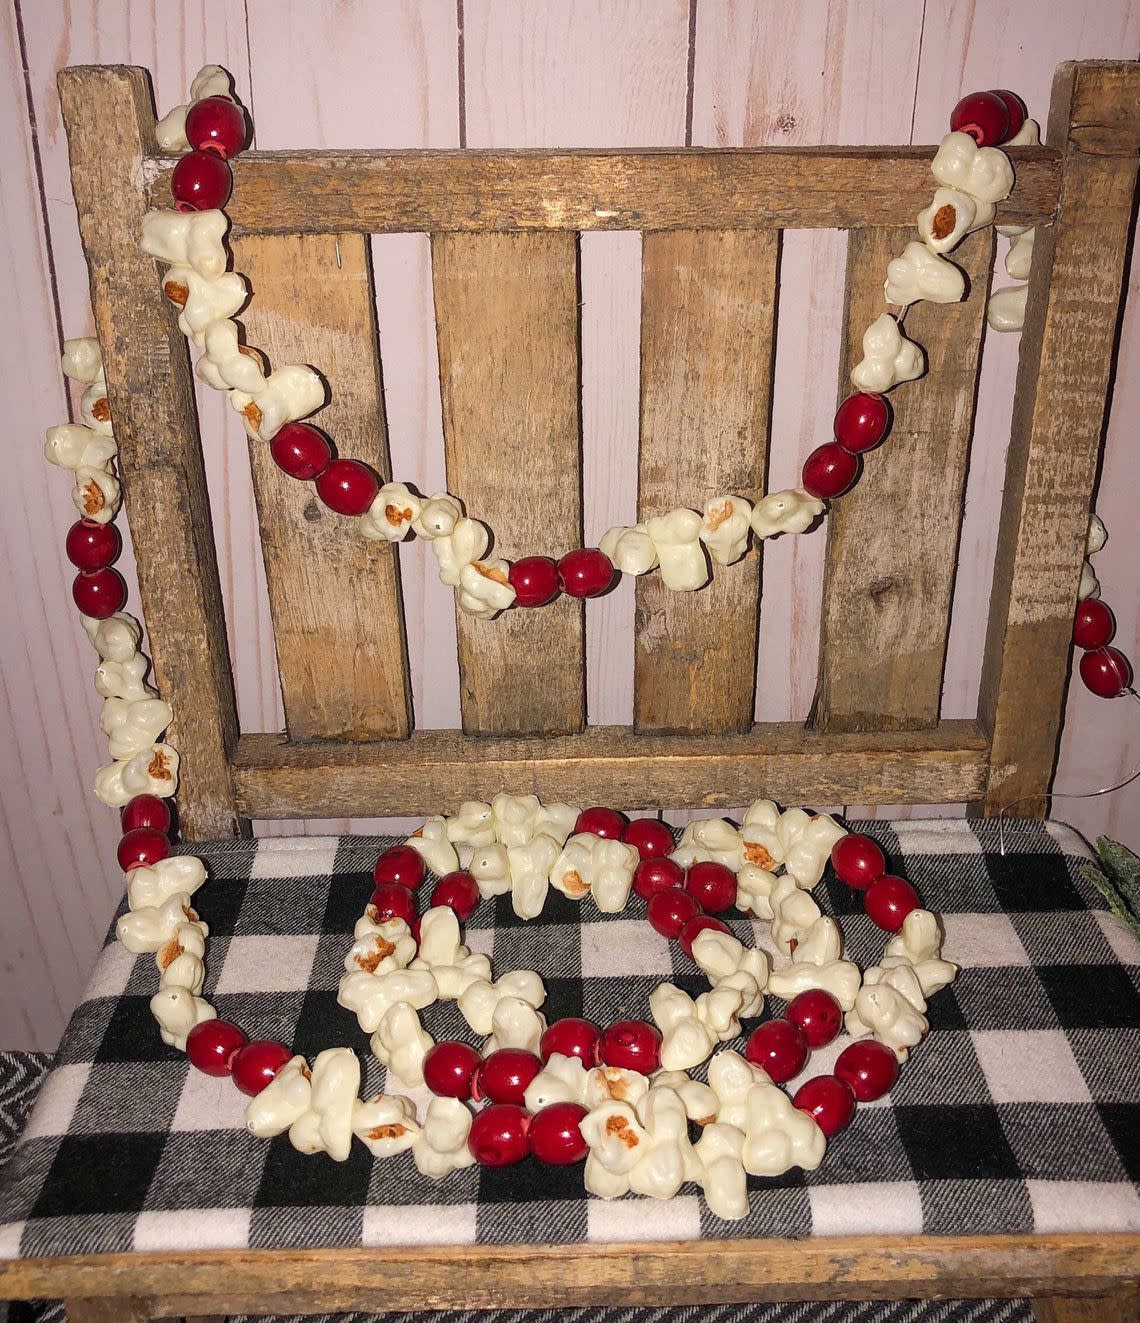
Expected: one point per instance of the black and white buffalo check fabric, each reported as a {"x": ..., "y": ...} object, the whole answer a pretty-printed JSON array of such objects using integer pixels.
[{"x": 1020, "y": 1111}]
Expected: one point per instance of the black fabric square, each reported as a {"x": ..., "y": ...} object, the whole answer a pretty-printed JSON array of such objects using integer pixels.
[
  {"x": 563, "y": 999},
  {"x": 322, "y": 1023},
  {"x": 312, "y": 1179},
  {"x": 219, "y": 901},
  {"x": 345, "y": 902},
  {"x": 943, "y": 1011},
  {"x": 1122, "y": 1121},
  {"x": 1092, "y": 996},
  {"x": 1033, "y": 882},
  {"x": 132, "y": 1034},
  {"x": 100, "y": 1174},
  {"x": 530, "y": 1181},
  {"x": 841, "y": 899},
  {"x": 947, "y": 1143}
]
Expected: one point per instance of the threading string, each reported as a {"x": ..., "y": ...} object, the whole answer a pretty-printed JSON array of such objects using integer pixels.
[{"x": 1066, "y": 794}]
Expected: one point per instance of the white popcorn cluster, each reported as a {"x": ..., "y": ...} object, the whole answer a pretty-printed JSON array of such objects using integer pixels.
[
  {"x": 88, "y": 449},
  {"x": 1097, "y": 537}
]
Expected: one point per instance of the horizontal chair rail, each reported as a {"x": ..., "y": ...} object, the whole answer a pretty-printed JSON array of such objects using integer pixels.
[
  {"x": 483, "y": 191},
  {"x": 437, "y": 769}
]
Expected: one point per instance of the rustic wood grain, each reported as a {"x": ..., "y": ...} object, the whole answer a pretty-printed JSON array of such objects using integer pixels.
[
  {"x": 892, "y": 542},
  {"x": 1118, "y": 1307},
  {"x": 479, "y": 191},
  {"x": 108, "y": 1309},
  {"x": 1067, "y": 349},
  {"x": 110, "y": 122},
  {"x": 507, "y": 324},
  {"x": 707, "y": 338},
  {"x": 338, "y": 618}
]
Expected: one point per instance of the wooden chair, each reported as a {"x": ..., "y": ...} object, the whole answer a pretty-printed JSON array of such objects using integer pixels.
[{"x": 504, "y": 229}]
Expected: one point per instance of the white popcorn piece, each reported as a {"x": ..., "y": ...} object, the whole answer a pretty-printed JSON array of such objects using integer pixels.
[
  {"x": 82, "y": 360},
  {"x": 817, "y": 963},
  {"x": 95, "y": 408},
  {"x": 441, "y": 952},
  {"x": 200, "y": 301},
  {"x": 793, "y": 913},
  {"x": 154, "y": 771},
  {"x": 133, "y": 725},
  {"x": 1089, "y": 585},
  {"x": 556, "y": 821},
  {"x": 685, "y": 1040},
  {"x": 293, "y": 391},
  {"x": 431, "y": 844},
  {"x": 1005, "y": 310},
  {"x": 326, "y": 1126},
  {"x": 441, "y": 1146},
  {"x": 150, "y": 886},
  {"x": 808, "y": 853},
  {"x": 170, "y": 131},
  {"x": 391, "y": 515},
  {"x": 631, "y": 549},
  {"x": 484, "y": 587},
  {"x": 722, "y": 956},
  {"x": 983, "y": 172},
  {"x": 177, "y": 1011},
  {"x": 124, "y": 680},
  {"x": 1019, "y": 259},
  {"x": 181, "y": 961},
  {"x": 227, "y": 364},
  {"x": 284, "y": 1100},
  {"x": 562, "y": 1079},
  {"x": 605, "y": 1084},
  {"x": 210, "y": 80},
  {"x": 754, "y": 887},
  {"x": 791, "y": 511},
  {"x": 723, "y": 1179},
  {"x": 370, "y": 996},
  {"x": 889, "y": 1005},
  {"x": 749, "y": 986},
  {"x": 116, "y": 638},
  {"x": 187, "y": 238},
  {"x": 731, "y": 1079},
  {"x": 701, "y": 1104},
  {"x": 617, "y": 1142},
  {"x": 778, "y": 1136},
  {"x": 571, "y": 873},
  {"x": 950, "y": 217},
  {"x": 725, "y": 528},
  {"x": 72, "y": 446},
  {"x": 919, "y": 945},
  {"x": 385, "y": 1125},
  {"x": 1029, "y": 135},
  {"x": 437, "y": 517},
  {"x": 474, "y": 824},
  {"x": 381, "y": 948},
  {"x": 149, "y": 928},
  {"x": 710, "y": 840},
  {"x": 591, "y": 864},
  {"x": 516, "y": 818},
  {"x": 889, "y": 358},
  {"x": 401, "y": 1043},
  {"x": 97, "y": 494},
  {"x": 467, "y": 541},
  {"x": 1097, "y": 536},
  {"x": 490, "y": 867},
  {"x": 529, "y": 868},
  {"x": 477, "y": 1002},
  {"x": 515, "y": 1023},
  {"x": 918, "y": 274},
  {"x": 668, "y": 1159},
  {"x": 677, "y": 540}
]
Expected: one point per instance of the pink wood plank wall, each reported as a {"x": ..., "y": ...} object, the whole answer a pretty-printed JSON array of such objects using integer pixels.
[{"x": 496, "y": 73}]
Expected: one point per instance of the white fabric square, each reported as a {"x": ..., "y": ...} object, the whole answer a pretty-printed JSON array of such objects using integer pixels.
[
  {"x": 419, "y": 1224},
  {"x": 294, "y": 856},
  {"x": 884, "y": 1208},
  {"x": 936, "y": 836},
  {"x": 209, "y": 1103},
  {"x": 111, "y": 973},
  {"x": 57, "y": 1101},
  {"x": 10, "y": 1236},
  {"x": 631, "y": 946},
  {"x": 267, "y": 964},
  {"x": 204, "y": 1228},
  {"x": 1030, "y": 1065},
  {"x": 609, "y": 1221},
  {"x": 1084, "y": 1205},
  {"x": 982, "y": 941},
  {"x": 1125, "y": 944}
]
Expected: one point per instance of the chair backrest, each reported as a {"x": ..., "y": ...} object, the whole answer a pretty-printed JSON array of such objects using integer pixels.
[{"x": 504, "y": 242}]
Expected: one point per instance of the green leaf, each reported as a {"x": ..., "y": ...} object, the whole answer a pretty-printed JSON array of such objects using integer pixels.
[
  {"x": 1097, "y": 879},
  {"x": 1123, "y": 869}
]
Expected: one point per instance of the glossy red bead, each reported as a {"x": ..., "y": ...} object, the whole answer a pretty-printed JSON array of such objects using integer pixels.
[
  {"x": 556, "y": 1134},
  {"x": 868, "y": 1068},
  {"x": 585, "y": 572},
  {"x": 400, "y": 864},
  {"x": 347, "y": 486},
  {"x": 449, "y": 1068},
  {"x": 858, "y": 860},
  {"x": 500, "y": 1135},
  {"x": 1016, "y": 109},
  {"x": 201, "y": 181},
  {"x": 649, "y": 837},
  {"x": 818, "y": 1014},
  {"x": 889, "y": 900},
  {"x": 694, "y": 927},
  {"x": 211, "y": 1045},
  {"x": 216, "y": 124},
  {"x": 605, "y": 822},
  {"x": 392, "y": 901},
  {"x": 632, "y": 1045},
  {"x": 100, "y": 593},
  {"x": 829, "y": 1100},
  {"x": 255, "y": 1065},
  {"x": 779, "y": 1048},
  {"x": 535, "y": 580},
  {"x": 572, "y": 1037},
  {"x": 862, "y": 421},
  {"x": 146, "y": 811},
  {"x": 984, "y": 116},
  {"x": 829, "y": 471},
  {"x": 1106, "y": 671},
  {"x": 654, "y": 875},
  {"x": 459, "y": 892},
  {"x": 92, "y": 546},
  {"x": 668, "y": 911},
  {"x": 505, "y": 1075},
  {"x": 301, "y": 451},
  {"x": 712, "y": 884},
  {"x": 142, "y": 846},
  {"x": 1094, "y": 624}
]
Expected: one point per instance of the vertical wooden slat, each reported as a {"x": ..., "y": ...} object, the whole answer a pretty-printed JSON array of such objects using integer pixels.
[
  {"x": 708, "y": 315},
  {"x": 337, "y": 618},
  {"x": 507, "y": 327},
  {"x": 892, "y": 541},
  {"x": 1067, "y": 350},
  {"x": 110, "y": 124}
]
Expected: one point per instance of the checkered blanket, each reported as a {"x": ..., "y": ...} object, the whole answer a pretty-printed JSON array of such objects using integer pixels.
[{"x": 1020, "y": 1111}]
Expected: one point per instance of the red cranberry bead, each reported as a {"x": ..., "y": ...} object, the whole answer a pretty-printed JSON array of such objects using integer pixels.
[
  {"x": 216, "y": 124},
  {"x": 654, "y": 875},
  {"x": 392, "y": 901},
  {"x": 713, "y": 885},
  {"x": 201, "y": 181},
  {"x": 505, "y": 1075},
  {"x": 500, "y": 1135},
  {"x": 1016, "y": 108},
  {"x": 211, "y": 1045},
  {"x": 605, "y": 822},
  {"x": 301, "y": 451},
  {"x": 556, "y": 1134},
  {"x": 829, "y": 1100},
  {"x": 649, "y": 837},
  {"x": 142, "y": 846},
  {"x": 459, "y": 892},
  {"x": 449, "y": 1068},
  {"x": 862, "y": 421},
  {"x": 146, "y": 811},
  {"x": 572, "y": 1037},
  {"x": 868, "y": 1068},
  {"x": 779, "y": 1048},
  {"x": 400, "y": 864},
  {"x": 818, "y": 1014},
  {"x": 858, "y": 861},
  {"x": 984, "y": 116},
  {"x": 255, "y": 1065},
  {"x": 1094, "y": 624},
  {"x": 668, "y": 911},
  {"x": 92, "y": 546},
  {"x": 632, "y": 1045},
  {"x": 347, "y": 486},
  {"x": 1106, "y": 671},
  {"x": 586, "y": 572},
  {"x": 99, "y": 594},
  {"x": 535, "y": 580},
  {"x": 829, "y": 471},
  {"x": 889, "y": 900},
  {"x": 693, "y": 929}
]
